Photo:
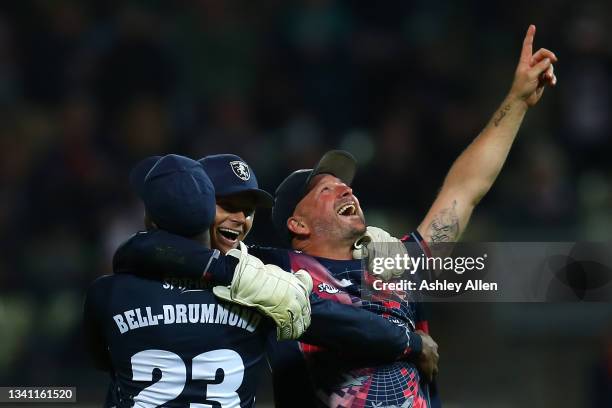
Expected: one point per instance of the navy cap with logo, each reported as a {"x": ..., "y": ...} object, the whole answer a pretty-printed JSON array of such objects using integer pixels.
[
  {"x": 177, "y": 193},
  {"x": 231, "y": 175},
  {"x": 290, "y": 192}
]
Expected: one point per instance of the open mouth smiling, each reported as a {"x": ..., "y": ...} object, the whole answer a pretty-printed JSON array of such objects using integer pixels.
[
  {"x": 347, "y": 209},
  {"x": 229, "y": 234}
]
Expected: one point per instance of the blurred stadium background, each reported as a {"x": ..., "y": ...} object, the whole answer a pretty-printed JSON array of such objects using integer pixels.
[{"x": 87, "y": 88}]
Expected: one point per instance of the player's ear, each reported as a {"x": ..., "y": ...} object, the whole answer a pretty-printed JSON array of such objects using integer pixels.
[{"x": 297, "y": 226}]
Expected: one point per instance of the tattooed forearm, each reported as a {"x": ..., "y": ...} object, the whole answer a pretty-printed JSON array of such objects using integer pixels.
[
  {"x": 445, "y": 225},
  {"x": 500, "y": 115}
]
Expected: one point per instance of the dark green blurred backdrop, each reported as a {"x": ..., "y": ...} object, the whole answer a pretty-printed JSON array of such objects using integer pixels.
[{"x": 87, "y": 88}]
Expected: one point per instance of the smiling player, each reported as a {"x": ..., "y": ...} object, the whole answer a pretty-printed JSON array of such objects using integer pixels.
[{"x": 238, "y": 195}]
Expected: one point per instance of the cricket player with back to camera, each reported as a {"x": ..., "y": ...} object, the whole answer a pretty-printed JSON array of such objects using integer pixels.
[{"x": 135, "y": 327}]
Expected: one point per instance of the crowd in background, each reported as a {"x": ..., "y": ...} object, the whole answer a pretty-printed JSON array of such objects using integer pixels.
[{"x": 89, "y": 88}]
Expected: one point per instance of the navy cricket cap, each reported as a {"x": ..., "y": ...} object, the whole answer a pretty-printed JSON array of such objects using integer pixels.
[
  {"x": 290, "y": 192},
  {"x": 231, "y": 175},
  {"x": 177, "y": 193}
]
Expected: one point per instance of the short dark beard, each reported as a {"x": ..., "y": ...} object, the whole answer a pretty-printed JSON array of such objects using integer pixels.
[{"x": 338, "y": 234}]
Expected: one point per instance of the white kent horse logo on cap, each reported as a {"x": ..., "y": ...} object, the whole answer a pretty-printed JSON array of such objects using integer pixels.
[{"x": 241, "y": 170}]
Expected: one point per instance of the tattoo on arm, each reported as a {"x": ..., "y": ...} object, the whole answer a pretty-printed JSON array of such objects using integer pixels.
[
  {"x": 501, "y": 114},
  {"x": 445, "y": 225}
]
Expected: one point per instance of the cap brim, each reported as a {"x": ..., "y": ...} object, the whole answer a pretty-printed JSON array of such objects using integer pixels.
[
  {"x": 338, "y": 163},
  {"x": 139, "y": 173},
  {"x": 263, "y": 199}
]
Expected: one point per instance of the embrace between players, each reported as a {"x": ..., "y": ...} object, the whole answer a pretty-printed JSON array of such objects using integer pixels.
[{"x": 191, "y": 311}]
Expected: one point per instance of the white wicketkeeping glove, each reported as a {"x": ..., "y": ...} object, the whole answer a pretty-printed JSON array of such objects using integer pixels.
[
  {"x": 378, "y": 243},
  {"x": 281, "y": 295}
]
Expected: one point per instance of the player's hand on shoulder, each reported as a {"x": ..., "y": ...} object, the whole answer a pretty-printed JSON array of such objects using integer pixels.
[
  {"x": 377, "y": 243},
  {"x": 427, "y": 361},
  {"x": 280, "y": 295}
]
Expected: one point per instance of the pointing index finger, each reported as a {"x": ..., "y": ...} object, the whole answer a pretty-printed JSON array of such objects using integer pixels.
[{"x": 528, "y": 45}]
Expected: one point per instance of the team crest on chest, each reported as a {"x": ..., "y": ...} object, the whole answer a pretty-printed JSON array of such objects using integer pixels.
[{"x": 240, "y": 169}]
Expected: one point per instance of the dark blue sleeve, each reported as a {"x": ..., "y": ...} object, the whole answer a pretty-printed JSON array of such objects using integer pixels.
[
  {"x": 269, "y": 255},
  {"x": 154, "y": 254},
  {"x": 352, "y": 331},
  {"x": 290, "y": 378},
  {"x": 95, "y": 342}
]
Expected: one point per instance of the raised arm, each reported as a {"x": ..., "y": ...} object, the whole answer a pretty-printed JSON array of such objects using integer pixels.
[{"x": 475, "y": 170}]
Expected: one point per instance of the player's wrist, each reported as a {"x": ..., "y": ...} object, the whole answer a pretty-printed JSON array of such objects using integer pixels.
[
  {"x": 414, "y": 345},
  {"x": 230, "y": 264},
  {"x": 516, "y": 100}
]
